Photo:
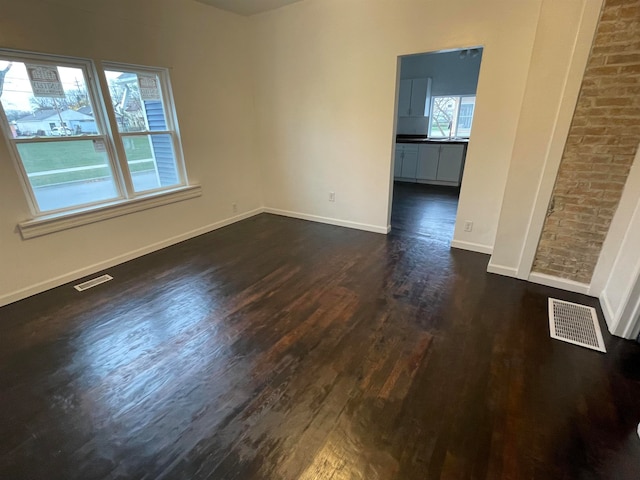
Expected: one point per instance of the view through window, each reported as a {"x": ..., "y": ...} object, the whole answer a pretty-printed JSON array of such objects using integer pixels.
[
  {"x": 143, "y": 126},
  {"x": 60, "y": 135},
  {"x": 452, "y": 116}
]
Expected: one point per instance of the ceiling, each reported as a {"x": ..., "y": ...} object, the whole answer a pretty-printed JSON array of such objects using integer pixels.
[{"x": 248, "y": 7}]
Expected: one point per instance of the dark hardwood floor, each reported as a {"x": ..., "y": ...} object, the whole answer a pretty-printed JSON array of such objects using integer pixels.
[{"x": 282, "y": 349}]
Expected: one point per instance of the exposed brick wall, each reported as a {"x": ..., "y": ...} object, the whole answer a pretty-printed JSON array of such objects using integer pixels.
[{"x": 600, "y": 148}]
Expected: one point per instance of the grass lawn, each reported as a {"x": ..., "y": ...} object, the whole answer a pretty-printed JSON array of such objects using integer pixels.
[{"x": 43, "y": 157}]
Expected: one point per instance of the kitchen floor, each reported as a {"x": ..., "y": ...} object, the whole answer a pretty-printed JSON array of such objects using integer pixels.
[
  {"x": 282, "y": 349},
  {"x": 426, "y": 210}
]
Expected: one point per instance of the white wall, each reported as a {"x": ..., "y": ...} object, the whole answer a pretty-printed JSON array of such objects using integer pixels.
[
  {"x": 617, "y": 275},
  {"x": 281, "y": 108},
  {"x": 207, "y": 51},
  {"x": 325, "y": 92},
  {"x": 450, "y": 74}
]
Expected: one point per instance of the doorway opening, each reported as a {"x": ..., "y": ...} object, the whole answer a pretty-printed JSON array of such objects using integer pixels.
[{"x": 434, "y": 120}]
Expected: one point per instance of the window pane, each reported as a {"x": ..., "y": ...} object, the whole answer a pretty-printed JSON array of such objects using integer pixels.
[
  {"x": 65, "y": 110},
  {"x": 442, "y": 116},
  {"x": 65, "y": 174},
  {"x": 151, "y": 160},
  {"x": 465, "y": 117},
  {"x": 137, "y": 101}
]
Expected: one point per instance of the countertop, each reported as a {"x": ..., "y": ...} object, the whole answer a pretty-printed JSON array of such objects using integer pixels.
[{"x": 424, "y": 139}]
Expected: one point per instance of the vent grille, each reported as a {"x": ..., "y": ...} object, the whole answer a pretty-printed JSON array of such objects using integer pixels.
[
  {"x": 577, "y": 324},
  {"x": 93, "y": 282}
]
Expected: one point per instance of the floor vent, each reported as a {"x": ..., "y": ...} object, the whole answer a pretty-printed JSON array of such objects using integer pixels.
[
  {"x": 577, "y": 324},
  {"x": 93, "y": 282}
]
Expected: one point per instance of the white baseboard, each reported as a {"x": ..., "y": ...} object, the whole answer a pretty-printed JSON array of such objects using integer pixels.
[
  {"x": 330, "y": 221},
  {"x": 91, "y": 269},
  {"x": 557, "y": 282},
  {"x": 502, "y": 270},
  {"x": 474, "y": 247},
  {"x": 607, "y": 310}
]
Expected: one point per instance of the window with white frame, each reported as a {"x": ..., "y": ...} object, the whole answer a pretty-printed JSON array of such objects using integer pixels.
[
  {"x": 75, "y": 152},
  {"x": 451, "y": 116}
]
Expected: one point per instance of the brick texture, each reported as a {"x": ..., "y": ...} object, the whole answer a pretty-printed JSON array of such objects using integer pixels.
[{"x": 600, "y": 148}]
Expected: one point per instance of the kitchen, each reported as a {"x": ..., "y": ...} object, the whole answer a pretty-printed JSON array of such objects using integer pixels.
[{"x": 436, "y": 103}]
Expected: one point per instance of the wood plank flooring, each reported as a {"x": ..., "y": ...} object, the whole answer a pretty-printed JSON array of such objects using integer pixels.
[{"x": 282, "y": 349}]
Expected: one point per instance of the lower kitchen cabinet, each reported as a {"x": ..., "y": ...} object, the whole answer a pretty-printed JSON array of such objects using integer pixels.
[
  {"x": 397, "y": 166},
  {"x": 406, "y": 162},
  {"x": 450, "y": 163},
  {"x": 440, "y": 164},
  {"x": 409, "y": 164},
  {"x": 428, "y": 162}
]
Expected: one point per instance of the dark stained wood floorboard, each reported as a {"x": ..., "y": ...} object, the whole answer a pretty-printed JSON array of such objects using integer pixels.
[{"x": 282, "y": 349}]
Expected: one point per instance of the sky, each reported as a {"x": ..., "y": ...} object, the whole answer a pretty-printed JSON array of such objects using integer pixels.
[{"x": 17, "y": 88}]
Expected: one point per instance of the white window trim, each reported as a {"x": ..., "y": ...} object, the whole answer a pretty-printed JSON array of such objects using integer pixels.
[
  {"x": 128, "y": 201},
  {"x": 457, "y": 119},
  {"x": 45, "y": 224},
  {"x": 171, "y": 118}
]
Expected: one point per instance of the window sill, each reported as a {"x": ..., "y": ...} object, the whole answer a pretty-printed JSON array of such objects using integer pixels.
[{"x": 63, "y": 221}]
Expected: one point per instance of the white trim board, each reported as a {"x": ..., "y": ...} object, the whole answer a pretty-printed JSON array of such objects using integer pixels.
[
  {"x": 96, "y": 267},
  {"x": 502, "y": 270},
  {"x": 58, "y": 222},
  {"x": 473, "y": 247},
  {"x": 330, "y": 221},
  {"x": 621, "y": 231},
  {"x": 623, "y": 320},
  {"x": 632, "y": 327},
  {"x": 557, "y": 282},
  {"x": 607, "y": 311}
]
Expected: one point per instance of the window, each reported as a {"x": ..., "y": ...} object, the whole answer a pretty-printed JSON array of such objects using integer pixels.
[
  {"x": 73, "y": 151},
  {"x": 146, "y": 130},
  {"x": 452, "y": 116}
]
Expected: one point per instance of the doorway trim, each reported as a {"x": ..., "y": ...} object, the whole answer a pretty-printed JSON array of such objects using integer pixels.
[{"x": 395, "y": 128}]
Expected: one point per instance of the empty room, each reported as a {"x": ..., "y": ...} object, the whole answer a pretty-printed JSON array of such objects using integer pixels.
[{"x": 227, "y": 252}]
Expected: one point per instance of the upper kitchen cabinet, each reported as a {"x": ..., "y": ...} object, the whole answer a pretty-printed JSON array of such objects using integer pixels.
[{"x": 414, "y": 97}]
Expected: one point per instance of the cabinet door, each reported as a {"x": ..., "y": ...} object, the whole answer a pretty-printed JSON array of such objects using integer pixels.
[
  {"x": 404, "y": 98},
  {"x": 428, "y": 162},
  {"x": 418, "y": 97},
  {"x": 450, "y": 164},
  {"x": 397, "y": 166},
  {"x": 409, "y": 163}
]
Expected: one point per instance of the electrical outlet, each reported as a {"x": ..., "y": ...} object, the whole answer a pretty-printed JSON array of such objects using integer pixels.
[
  {"x": 468, "y": 226},
  {"x": 332, "y": 196},
  {"x": 234, "y": 207}
]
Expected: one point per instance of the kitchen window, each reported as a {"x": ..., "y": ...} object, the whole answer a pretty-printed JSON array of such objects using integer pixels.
[
  {"x": 75, "y": 153},
  {"x": 452, "y": 116}
]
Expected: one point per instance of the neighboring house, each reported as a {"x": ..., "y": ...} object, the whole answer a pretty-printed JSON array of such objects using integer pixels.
[{"x": 49, "y": 122}]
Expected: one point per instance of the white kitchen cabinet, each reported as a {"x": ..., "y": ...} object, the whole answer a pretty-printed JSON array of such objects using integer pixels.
[
  {"x": 420, "y": 89},
  {"x": 404, "y": 98},
  {"x": 436, "y": 163},
  {"x": 406, "y": 161},
  {"x": 397, "y": 167},
  {"x": 410, "y": 164},
  {"x": 450, "y": 163},
  {"x": 413, "y": 96},
  {"x": 428, "y": 156}
]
